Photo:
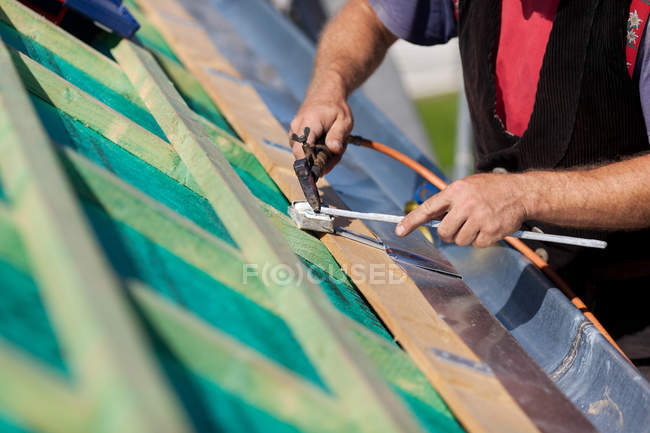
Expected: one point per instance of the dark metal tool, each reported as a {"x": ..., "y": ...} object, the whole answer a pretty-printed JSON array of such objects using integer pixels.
[{"x": 310, "y": 168}]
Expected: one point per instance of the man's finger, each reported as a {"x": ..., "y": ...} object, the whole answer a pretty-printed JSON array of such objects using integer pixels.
[
  {"x": 337, "y": 134},
  {"x": 294, "y": 128},
  {"x": 316, "y": 129},
  {"x": 483, "y": 240},
  {"x": 467, "y": 233},
  {"x": 296, "y": 148},
  {"x": 336, "y": 157},
  {"x": 430, "y": 209},
  {"x": 451, "y": 224}
]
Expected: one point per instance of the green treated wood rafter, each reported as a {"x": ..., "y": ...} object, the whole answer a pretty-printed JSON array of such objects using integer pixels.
[
  {"x": 102, "y": 68},
  {"x": 163, "y": 226},
  {"x": 116, "y": 197},
  {"x": 103, "y": 340},
  {"x": 37, "y": 397},
  {"x": 95, "y": 64},
  {"x": 136, "y": 140},
  {"x": 314, "y": 321},
  {"x": 203, "y": 349},
  {"x": 201, "y": 249}
]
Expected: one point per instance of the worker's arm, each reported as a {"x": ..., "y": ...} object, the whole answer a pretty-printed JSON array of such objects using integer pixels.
[
  {"x": 484, "y": 208},
  {"x": 351, "y": 47}
]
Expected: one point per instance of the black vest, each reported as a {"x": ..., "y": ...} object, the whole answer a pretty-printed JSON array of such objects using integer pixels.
[{"x": 587, "y": 111}]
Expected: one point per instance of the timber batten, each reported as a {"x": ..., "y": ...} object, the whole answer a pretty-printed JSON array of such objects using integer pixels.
[{"x": 66, "y": 259}]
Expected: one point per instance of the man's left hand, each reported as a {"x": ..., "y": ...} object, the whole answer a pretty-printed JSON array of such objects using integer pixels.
[{"x": 478, "y": 210}]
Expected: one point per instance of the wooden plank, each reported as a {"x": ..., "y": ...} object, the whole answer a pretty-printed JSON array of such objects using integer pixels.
[
  {"x": 202, "y": 249},
  {"x": 66, "y": 46},
  {"x": 109, "y": 123},
  {"x": 37, "y": 398},
  {"x": 479, "y": 401},
  {"x": 99, "y": 117},
  {"x": 105, "y": 345},
  {"x": 190, "y": 88},
  {"x": 96, "y": 65},
  {"x": 165, "y": 227},
  {"x": 309, "y": 314},
  {"x": 242, "y": 371},
  {"x": 396, "y": 367},
  {"x": 185, "y": 32},
  {"x": 149, "y": 35}
]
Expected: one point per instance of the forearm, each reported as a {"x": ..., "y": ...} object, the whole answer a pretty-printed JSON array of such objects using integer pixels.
[
  {"x": 483, "y": 208},
  {"x": 614, "y": 196},
  {"x": 352, "y": 46}
]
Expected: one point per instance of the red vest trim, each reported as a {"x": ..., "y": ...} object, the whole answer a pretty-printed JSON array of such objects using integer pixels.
[{"x": 639, "y": 11}]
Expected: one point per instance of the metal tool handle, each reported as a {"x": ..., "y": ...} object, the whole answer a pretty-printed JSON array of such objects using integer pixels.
[
  {"x": 559, "y": 239},
  {"x": 521, "y": 234}
]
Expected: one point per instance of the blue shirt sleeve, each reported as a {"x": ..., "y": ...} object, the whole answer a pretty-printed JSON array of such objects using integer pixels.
[
  {"x": 642, "y": 71},
  {"x": 422, "y": 22}
]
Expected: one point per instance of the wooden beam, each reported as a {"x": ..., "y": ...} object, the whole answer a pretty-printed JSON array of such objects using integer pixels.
[
  {"x": 149, "y": 34},
  {"x": 396, "y": 367},
  {"x": 99, "y": 117},
  {"x": 242, "y": 371},
  {"x": 38, "y": 398},
  {"x": 201, "y": 249},
  {"x": 93, "y": 63},
  {"x": 186, "y": 33},
  {"x": 12, "y": 248},
  {"x": 309, "y": 314},
  {"x": 479, "y": 401},
  {"x": 131, "y": 137},
  {"x": 105, "y": 344},
  {"x": 191, "y": 89},
  {"x": 163, "y": 226},
  {"x": 68, "y": 47}
]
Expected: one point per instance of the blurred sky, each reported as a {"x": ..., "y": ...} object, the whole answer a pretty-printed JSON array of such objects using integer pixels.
[{"x": 427, "y": 71}]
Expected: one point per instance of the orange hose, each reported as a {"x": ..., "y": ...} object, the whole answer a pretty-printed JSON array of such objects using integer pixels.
[{"x": 514, "y": 242}]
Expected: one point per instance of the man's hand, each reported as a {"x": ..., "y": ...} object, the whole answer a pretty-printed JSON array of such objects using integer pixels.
[
  {"x": 325, "y": 116},
  {"x": 352, "y": 46},
  {"x": 477, "y": 210}
]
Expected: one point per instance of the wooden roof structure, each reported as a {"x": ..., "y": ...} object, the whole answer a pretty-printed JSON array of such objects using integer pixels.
[{"x": 130, "y": 213}]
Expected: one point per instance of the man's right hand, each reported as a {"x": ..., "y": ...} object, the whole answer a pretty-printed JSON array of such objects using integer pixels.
[
  {"x": 351, "y": 47},
  {"x": 324, "y": 116}
]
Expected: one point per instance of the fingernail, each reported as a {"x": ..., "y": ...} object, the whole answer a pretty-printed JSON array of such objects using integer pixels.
[
  {"x": 335, "y": 145},
  {"x": 399, "y": 230}
]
